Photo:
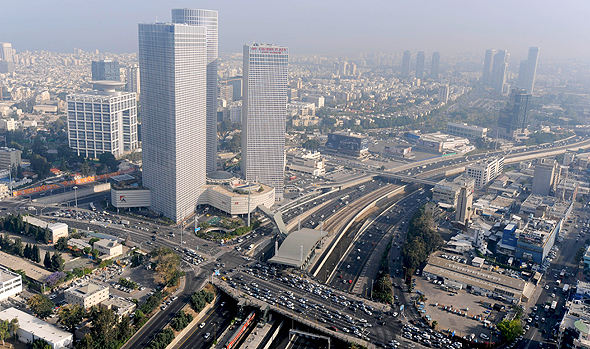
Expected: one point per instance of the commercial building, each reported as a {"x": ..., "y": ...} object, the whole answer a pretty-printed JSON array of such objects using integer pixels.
[
  {"x": 9, "y": 158},
  {"x": 536, "y": 239},
  {"x": 405, "y": 73},
  {"x": 121, "y": 307},
  {"x": 173, "y": 61},
  {"x": 298, "y": 249},
  {"x": 106, "y": 69},
  {"x": 434, "y": 66},
  {"x": 464, "y": 204},
  {"x": 546, "y": 176},
  {"x": 439, "y": 142},
  {"x": 546, "y": 206},
  {"x": 420, "y": 65},
  {"x": 306, "y": 162},
  {"x": 57, "y": 230},
  {"x": 345, "y": 143},
  {"x": 467, "y": 131},
  {"x": 207, "y": 19},
  {"x": 108, "y": 248},
  {"x": 478, "y": 280},
  {"x": 236, "y": 84},
  {"x": 486, "y": 78},
  {"x": 6, "y": 52},
  {"x": 130, "y": 197},
  {"x": 264, "y": 109},
  {"x": 499, "y": 70},
  {"x": 87, "y": 295},
  {"x": 512, "y": 119},
  {"x": 485, "y": 171},
  {"x": 529, "y": 69},
  {"x": 133, "y": 83},
  {"x": 447, "y": 192},
  {"x": 31, "y": 328},
  {"x": 102, "y": 121}
]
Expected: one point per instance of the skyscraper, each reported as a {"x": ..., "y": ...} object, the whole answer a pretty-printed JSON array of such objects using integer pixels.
[
  {"x": 531, "y": 69},
  {"x": 420, "y": 65},
  {"x": 521, "y": 74},
  {"x": 499, "y": 70},
  {"x": 488, "y": 63},
  {"x": 6, "y": 52},
  {"x": 173, "y": 61},
  {"x": 434, "y": 66},
  {"x": 545, "y": 176},
  {"x": 133, "y": 79},
  {"x": 105, "y": 69},
  {"x": 464, "y": 204},
  {"x": 264, "y": 110},
  {"x": 207, "y": 19},
  {"x": 443, "y": 93},
  {"x": 406, "y": 64},
  {"x": 513, "y": 116}
]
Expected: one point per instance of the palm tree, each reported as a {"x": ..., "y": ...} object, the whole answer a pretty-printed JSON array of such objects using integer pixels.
[{"x": 434, "y": 324}]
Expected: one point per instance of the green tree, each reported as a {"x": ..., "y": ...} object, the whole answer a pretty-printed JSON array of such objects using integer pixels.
[
  {"x": 36, "y": 254},
  {"x": 62, "y": 244},
  {"x": 40, "y": 166},
  {"x": 108, "y": 159},
  {"x": 124, "y": 329},
  {"x": 85, "y": 169},
  {"x": 47, "y": 260},
  {"x": 70, "y": 315},
  {"x": 92, "y": 241},
  {"x": 87, "y": 250},
  {"x": 57, "y": 262},
  {"x": 40, "y": 344},
  {"x": 86, "y": 343},
  {"x": 510, "y": 329},
  {"x": 41, "y": 305},
  {"x": 311, "y": 144},
  {"x": 27, "y": 251},
  {"x": 94, "y": 253},
  {"x": 18, "y": 248},
  {"x": 4, "y": 331},
  {"x": 104, "y": 331}
]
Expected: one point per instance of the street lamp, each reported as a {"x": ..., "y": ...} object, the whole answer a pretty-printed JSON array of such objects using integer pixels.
[{"x": 76, "y": 196}]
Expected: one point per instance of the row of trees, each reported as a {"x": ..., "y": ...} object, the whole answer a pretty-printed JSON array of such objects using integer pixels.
[
  {"x": 106, "y": 331},
  {"x": 16, "y": 224},
  {"x": 162, "y": 339},
  {"x": 181, "y": 320},
  {"x": 199, "y": 299},
  {"x": 422, "y": 239},
  {"x": 17, "y": 248}
]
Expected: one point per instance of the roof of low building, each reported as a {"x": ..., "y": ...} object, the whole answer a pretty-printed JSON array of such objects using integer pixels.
[
  {"x": 35, "y": 326},
  {"x": 296, "y": 243}
]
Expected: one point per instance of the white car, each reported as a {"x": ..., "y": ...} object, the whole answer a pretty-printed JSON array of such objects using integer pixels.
[
  {"x": 484, "y": 336},
  {"x": 202, "y": 324}
]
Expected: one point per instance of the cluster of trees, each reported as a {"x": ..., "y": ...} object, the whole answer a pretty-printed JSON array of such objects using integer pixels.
[
  {"x": 17, "y": 248},
  {"x": 54, "y": 262},
  {"x": 544, "y": 137},
  {"x": 217, "y": 235},
  {"x": 128, "y": 283},
  {"x": 151, "y": 303},
  {"x": 41, "y": 305},
  {"x": 162, "y": 339},
  {"x": 166, "y": 264},
  {"x": 510, "y": 329},
  {"x": 199, "y": 299},
  {"x": 422, "y": 239},
  {"x": 383, "y": 290},
  {"x": 311, "y": 144},
  {"x": 181, "y": 320},
  {"x": 234, "y": 144},
  {"x": 106, "y": 331},
  {"x": 16, "y": 224},
  {"x": 8, "y": 327},
  {"x": 40, "y": 344}
]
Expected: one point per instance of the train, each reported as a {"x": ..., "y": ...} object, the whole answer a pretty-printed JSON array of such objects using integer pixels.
[{"x": 240, "y": 331}]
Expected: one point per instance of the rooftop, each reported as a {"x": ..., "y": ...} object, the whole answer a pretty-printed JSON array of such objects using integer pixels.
[
  {"x": 85, "y": 290},
  {"x": 220, "y": 175},
  {"x": 106, "y": 243},
  {"x": 32, "y": 270},
  {"x": 35, "y": 326},
  {"x": 297, "y": 247}
]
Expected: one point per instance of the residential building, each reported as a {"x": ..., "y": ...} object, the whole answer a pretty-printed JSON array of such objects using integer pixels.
[
  {"x": 6, "y": 52},
  {"x": 8, "y": 124},
  {"x": 87, "y": 295},
  {"x": 420, "y": 65},
  {"x": 108, "y": 248},
  {"x": 207, "y": 19},
  {"x": 546, "y": 176},
  {"x": 10, "y": 283},
  {"x": 447, "y": 192},
  {"x": 226, "y": 93},
  {"x": 236, "y": 84},
  {"x": 106, "y": 69},
  {"x": 499, "y": 70},
  {"x": 443, "y": 94},
  {"x": 102, "y": 121},
  {"x": 407, "y": 57},
  {"x": 486, "y": 78},
  {"x": 173, "y": 61},
  {"x": 485, "y": 171},
  {"x": 133, "y": 84},
  {"x": 467, "y": 131},
  {"x": 264, "y": 107},
  {"x": 31, "y": 328},
  {"x": 434, "y": 66},
  {"x": 9, "y": 158}
]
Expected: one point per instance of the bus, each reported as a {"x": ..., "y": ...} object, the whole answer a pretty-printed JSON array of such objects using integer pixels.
[{"x": 92, "y": 206}]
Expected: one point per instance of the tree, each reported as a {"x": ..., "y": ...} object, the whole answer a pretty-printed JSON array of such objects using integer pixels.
[
  {"x": 510, "y": 329},
  {"x": 108, "y": 159},
  {"x": 18, "y": 248},
  {"x": 167, "y": 262},
  {"x": 14, "y": 326},
  {"x": 86, "y": 343},
  {"x": 57, "y": 263},
  {"x": 87, "y": 250},
  {"x": 92, "y": 241},
  {"x": 27, "y": 251},
  {"x": 36, "y": 254},
  {"x": 41, "y": 305},
  {"x": 4, "y": 331},
  {"x": 311, "y": 144},
  {"x": 47, "y": 260},
  {"x": 40, "y": 344},
  {"x": 40, "y": 166},
  {"x": 70, "y": 315},
  {"x": 94, "y": 253},
  {"x": 124, "y": 329},
  {"x": 434, "y": 324},
  {"x": 103, "y": 329},
  {"x": 62, "y": 244},
  {"x": 85, "y": 169},
  {"x": 47, "y": 235}
]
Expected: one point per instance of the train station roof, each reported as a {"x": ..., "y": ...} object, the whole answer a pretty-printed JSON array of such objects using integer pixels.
[{"x": 297, "y": 247}]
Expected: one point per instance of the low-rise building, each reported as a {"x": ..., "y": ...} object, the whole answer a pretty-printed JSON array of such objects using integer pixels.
[
  {"x": 121, "y": 307},
  {"x": 9, "y": 157},
  {"x": 536, "y": 239},
  {"x": 87, "y": 295},
  {"x": 31, "y": 328},
  {"x": 57, "y": 230},
  {"x": 306, "y": 162},
  {"x": 467, "y": 131},
  {"x": 10, "y": 284},
  {"x": 78, "y": 244},
  {"x": 108, "y": 248},
  {"x": 574, "y": 328}
]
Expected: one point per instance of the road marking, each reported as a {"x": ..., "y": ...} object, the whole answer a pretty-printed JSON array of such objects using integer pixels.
[{"x": 195, "y": 329}]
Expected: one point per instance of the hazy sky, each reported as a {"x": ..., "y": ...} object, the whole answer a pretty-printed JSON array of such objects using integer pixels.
[{"x": 340, "y": 27}]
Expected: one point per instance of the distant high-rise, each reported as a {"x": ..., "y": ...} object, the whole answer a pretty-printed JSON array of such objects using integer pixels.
[
  {"x": 420, "y": 65},
  {"x": 133, "y": 79},
  {"x": 6, "y": 52},
  {"x": 531, "y": 69},
  {"x": 499, "y": 70},
  {"x": 434, "y": 66},
  {"x": 513, "y": 116},
  {"x": 236, "y": 84},
  {"x": 264, "y": 111},
  {"x": 443, "y": 93},
  {"x": 105, "y": 69},
  {"x": 173, "y": 61},
  {"x": 521, "y": 74},
  {"x": 406, "y": 64},
  {"x": 343, "y": 68},
  {"x": 488, "y": 63},
  {"x": 208, "y": 19}
]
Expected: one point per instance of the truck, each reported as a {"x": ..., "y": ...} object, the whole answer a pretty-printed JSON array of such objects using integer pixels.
[
  {"x": 553, "y": 305},
  {"x": 566, "y": 287}
]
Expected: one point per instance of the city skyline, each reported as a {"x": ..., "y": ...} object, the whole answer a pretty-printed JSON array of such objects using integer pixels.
[{"x": 447, "y": 28}]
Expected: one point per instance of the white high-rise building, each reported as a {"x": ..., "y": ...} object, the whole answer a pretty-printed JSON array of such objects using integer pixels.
[
  {"x": 173, "y": 61},
  {"x": 5, "y": 51},
  {"x": 133, "y": 79},
  {"x": 264, "y": 110},
  {"x": 102, "y": 121},
  {"x": 208, "y": 19}
]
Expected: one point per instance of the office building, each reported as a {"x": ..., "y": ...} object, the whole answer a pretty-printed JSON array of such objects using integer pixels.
[
  {"x": 87, "y": 295},
  {"x": 31, "y": 328},
  {"x": 513, "y": 118},
  {"x": 485, "y": 171},
  {"x": 6, "y": 52},
  {"x": 520, "y": 83},
  {"x": 443, "y": 94},
  {"x": 343, "y": 68},
  {"x": 173, "y": 61},
  {"x": 405, "y": 73},
  {"x": 420, "y": 65},
  {"x": 133, "y": 79},
  {"x": 102, "y": 121},
  {"x": 6, "y": 67},
  {"x": 499, "y": 70},
  {"x": 264, "y": 109},
  {"x": 108, "y": 248},
  {"x": 488, "y": 63},
  {"x": 446, "y": 193},
  {"x": 464, "y": 205},
  {"x": 467, "y": 131},
  {"x": 207, "y": 19},
  {"x": 236, "y": 84},
  {"x": 546, "y": 176},
  {"x": 306, "y": 162},
  {"x": 345, "y": 143},
  {"x": 10, "y": 283},
  {"x": 9, "y": 158},
  {"x": 226, "y": 93},
  {"x": 106, "y": 69},
  {"x": 531, "y": 69},
  {"x": 434, "y": 66}
]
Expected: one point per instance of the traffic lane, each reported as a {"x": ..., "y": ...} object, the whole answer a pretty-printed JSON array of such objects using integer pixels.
[{"x": 216, "y": 320}]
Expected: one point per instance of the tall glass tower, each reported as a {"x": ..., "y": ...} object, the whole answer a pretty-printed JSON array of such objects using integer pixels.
[
  {"x": 531, "y": 69},
  {"x": 434, "y": 66},
  {"x": 406, "y": 64},
  {"x": 173, "y": 75},
  {"x": 264, "y": 110},
  {"x": 420, "y": 65},
  {"x": 207, "y": 19}
]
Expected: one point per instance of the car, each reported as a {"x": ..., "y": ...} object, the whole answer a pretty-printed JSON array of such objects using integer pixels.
[
  {"x": 202, "y": 324},
  {"x": 553, "y": 295},
  {"x": 546, "y": 287},
  {"x": 333, "y": 328},
  {"x": 207, "y": 335},
  {"x": 484, "y": 336}
]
